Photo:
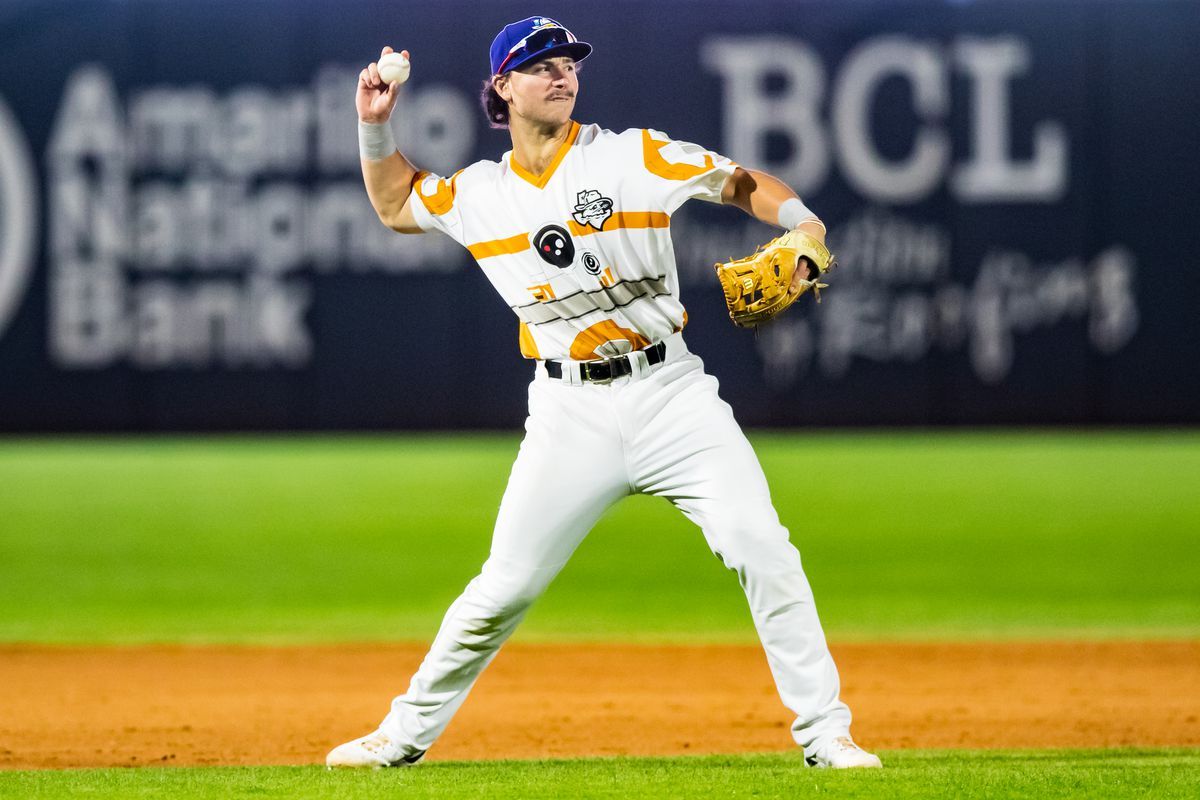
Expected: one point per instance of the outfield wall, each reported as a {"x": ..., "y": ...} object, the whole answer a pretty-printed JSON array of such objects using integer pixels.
[{"x": 185, "y": 243}]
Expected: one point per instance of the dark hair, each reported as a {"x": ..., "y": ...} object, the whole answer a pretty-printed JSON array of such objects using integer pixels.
[{"x": 494, "y": 106}]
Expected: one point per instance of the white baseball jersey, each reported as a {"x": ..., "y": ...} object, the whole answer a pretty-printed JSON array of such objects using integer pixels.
[{"x": 582, "y": 253}]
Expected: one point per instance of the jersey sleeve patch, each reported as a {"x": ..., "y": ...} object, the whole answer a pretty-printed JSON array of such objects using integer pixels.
[
  {"x": 436, "y": 194},
  {"x": 682, "y": 171},
  {"x": 674, "y": 161}
]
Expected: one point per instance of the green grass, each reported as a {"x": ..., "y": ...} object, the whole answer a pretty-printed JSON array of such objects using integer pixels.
[
  {"x": 1044, "y": 774},
  {"x": 307, "y": 539}
]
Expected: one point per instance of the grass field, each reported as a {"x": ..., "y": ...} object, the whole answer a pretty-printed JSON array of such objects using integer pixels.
[
  {"x": 915, "y": 775},
  {"x": 318, "y": 539},
  {"x": 918, "y": 535}
]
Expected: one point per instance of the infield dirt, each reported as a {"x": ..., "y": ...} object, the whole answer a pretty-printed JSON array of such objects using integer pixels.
[{"x": 122, "y": 706}]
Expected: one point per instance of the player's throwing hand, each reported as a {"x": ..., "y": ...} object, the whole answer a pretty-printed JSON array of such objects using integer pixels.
[{"x": 374, "y": 98}]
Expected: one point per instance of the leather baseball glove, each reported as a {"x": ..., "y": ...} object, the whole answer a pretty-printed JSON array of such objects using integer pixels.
[{"x": 760, "y": 286}]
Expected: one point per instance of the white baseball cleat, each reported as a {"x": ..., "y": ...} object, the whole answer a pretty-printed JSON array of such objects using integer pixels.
[
  {"x": 840, "y": 753},
  {"x": 375, "y": 750}
]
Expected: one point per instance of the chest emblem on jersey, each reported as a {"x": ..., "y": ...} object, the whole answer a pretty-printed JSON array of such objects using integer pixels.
[
  {"x": 591, "y": 264},
  {"x": 592, "y": 208},
  {"x": 553, "y": 244}
]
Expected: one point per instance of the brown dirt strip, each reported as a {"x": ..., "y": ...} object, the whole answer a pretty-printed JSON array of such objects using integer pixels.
[{"x": 92, "y": 707}]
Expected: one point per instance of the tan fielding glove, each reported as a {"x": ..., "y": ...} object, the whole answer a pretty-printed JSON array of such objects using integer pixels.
[{"x": 758, "y": 287}]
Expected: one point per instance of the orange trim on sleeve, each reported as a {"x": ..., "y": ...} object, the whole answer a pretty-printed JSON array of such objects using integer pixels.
[
  {"x": 442, "y": 199},
  {"x": 624, "y": 219},
  {"x": 540, "y": 181},
  {"x": 499, "y": 247},
  {"x": 525, "y": 338},
  {"x": 657, "y": 165}
]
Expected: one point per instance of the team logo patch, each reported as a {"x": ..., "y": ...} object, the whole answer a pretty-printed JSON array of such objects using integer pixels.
[
  {"x": 554, "y": 245},
  {"x": 590, "y": 263},
  {"x": 592, "y": 208}
]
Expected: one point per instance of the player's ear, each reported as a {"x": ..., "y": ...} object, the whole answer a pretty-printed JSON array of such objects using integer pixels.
[{"x": 500, "y": 84}]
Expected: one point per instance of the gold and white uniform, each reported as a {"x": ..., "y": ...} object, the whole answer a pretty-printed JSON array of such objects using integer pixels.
[
  {"x": 608, "y": 198},
  {"x": 582, "y": 254}
]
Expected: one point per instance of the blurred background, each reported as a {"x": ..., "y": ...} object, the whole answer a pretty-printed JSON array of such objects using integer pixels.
[
  {"x": 186, "y": 248},
  {"x": 235, "y": 408},
  {"x": 185, "y": 244}
]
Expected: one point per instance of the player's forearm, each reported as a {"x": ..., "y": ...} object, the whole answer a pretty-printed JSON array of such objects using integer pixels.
[
  {"x": 389, "y": 183},
  {"x": 767, "y": 199}
]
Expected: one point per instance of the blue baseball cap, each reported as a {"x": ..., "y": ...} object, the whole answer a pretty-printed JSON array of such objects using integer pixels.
[{"x": 532, "y": 39}]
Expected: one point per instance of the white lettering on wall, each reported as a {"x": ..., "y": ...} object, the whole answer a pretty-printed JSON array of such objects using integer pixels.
[
  {"x": 988, "y": 66},
  {"x": 898, "y": 296},
  {"x": 991, "y": 175},
  {"x": 750, "y": 113},
  {"x": 872, "y": 175},
  {"x": 186, "y": 226}
]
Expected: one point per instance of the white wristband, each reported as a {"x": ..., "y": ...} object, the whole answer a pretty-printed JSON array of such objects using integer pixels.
[
  {"x": 375, "y": 140},
  {"x": 793, "y": 212}
]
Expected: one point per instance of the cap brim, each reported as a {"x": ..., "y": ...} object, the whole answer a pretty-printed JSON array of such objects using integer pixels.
[{"x": 576, "y": 50}]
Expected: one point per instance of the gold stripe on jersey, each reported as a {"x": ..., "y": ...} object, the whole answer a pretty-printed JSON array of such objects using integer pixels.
[
  {"x": 442, "y": 199},
  {"x": 540, "y": 181},
  {"x": 500, "y": 247},
  {"x": 657, "y": 165},
  {"x": 621, "y": 219},
  {"x": 525, "y": 339},
  {"x": 624, "y": 219}
]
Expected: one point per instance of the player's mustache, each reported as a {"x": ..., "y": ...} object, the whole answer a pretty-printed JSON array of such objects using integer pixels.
[{"x": 562, "y": 96}]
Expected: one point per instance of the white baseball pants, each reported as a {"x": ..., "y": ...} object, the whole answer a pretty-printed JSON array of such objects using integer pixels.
[{"x": 661, "y": 431}]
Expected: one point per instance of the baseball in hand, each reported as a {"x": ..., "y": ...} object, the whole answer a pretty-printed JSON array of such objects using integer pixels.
[{"x": 393, "y": 68}]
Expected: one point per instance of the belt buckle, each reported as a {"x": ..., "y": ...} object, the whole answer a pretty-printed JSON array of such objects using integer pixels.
[{"x": 586, "y": 373}]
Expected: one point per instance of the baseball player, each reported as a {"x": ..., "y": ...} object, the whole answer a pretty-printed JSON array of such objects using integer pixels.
[{"x": 571, "y": 226}]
